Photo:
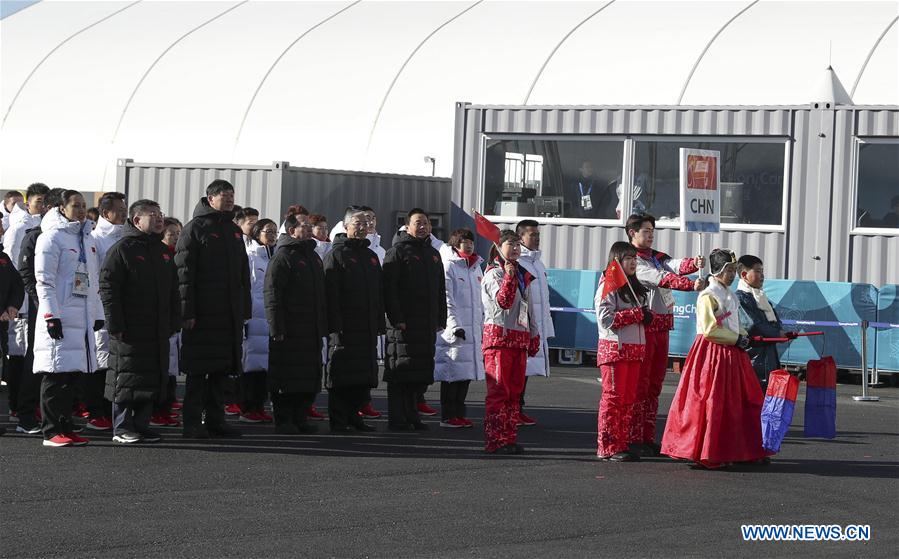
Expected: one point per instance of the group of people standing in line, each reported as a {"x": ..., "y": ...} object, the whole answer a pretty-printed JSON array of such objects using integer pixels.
[{"x": 293, "y": 308}]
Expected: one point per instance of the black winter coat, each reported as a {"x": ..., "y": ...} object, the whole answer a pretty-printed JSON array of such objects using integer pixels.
[
  {"x": 295, "y": 308},
  {"x": 12, "y": 293},
  {"x": 763, "y": 355},
  {"x": 26, "y": 264},
  {"x": 355, "y": 313},
  {"x": 414, "y": 294},
  {"x": 139, "y": 291},
  {"x": 214, "y": 279}
]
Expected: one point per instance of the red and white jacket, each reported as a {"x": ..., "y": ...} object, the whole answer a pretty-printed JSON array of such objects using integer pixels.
[
  {"x": 509, "y": 319},
  {"x": 622, "y": 336},
  {"x": 659, "y": 273}
]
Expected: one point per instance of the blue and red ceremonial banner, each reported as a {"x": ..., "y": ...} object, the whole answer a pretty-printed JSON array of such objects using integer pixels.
[
  {"x": 821, "y": 398},
  {"x": 777, "y": 411}
]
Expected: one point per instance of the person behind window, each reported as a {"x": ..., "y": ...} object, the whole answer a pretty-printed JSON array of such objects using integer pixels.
[
  {"x": 891, "y": 219},
  {"x": 589, "y": 196}
]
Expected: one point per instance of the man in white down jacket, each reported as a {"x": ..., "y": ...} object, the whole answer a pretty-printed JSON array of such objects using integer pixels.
[{"x": 538, "y": 365}]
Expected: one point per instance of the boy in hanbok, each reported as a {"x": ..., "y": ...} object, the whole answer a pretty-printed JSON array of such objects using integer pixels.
[{"x": 715, "y": 415}]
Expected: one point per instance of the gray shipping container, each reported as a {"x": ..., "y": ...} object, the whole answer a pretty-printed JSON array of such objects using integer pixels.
[
  {"x": 271, "y": 189},
  {"x": 818, "y": 238}
]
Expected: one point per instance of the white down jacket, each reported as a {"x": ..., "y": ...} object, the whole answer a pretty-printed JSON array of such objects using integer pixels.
[
  {"x": 19, "y": 222},
  {"x": 530, "y": 261},
  {"x": 458, "y": 359},
  {"x": 255, "y": 343},
  {"x": 105, "y": 235},
  {"x": 57, "y": 258}
]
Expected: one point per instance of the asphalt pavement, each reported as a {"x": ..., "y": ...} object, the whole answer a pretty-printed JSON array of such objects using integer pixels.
[{"x": 436, "y": 494}]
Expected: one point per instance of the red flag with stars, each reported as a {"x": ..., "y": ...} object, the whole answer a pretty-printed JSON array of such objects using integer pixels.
[
  {"x": 486, "y": 228},
  {"x": 614, "y": 278}
]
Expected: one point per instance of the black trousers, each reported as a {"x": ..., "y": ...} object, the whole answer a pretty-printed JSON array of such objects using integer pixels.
[
  {"x": 204, "y": 400},
  {"x": 232, "y": 390},
  {"x": 291, "y": 408},
  {"x": 93, "y": 386},
  {"x": 13, "y": 371},
  {"x": 30, "y": 382},
  {"x": 131, "y": 416},
  {"x": 253, "y": 391},
  {"x": 57, "y": 393},
  {"x": 523, "y": 388},
  {"x": 402, "y": 402},
  {"x": 165, "y": 405},
  {"x": 452, "y": 399},
  {"x": 344, "y": 402}
]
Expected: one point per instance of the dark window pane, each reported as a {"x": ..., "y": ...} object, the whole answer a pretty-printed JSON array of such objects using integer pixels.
[
  {"x": 553, "y": 178},
  {"x": 878, "y": 186},
  {"x": 752, "y": 180}
]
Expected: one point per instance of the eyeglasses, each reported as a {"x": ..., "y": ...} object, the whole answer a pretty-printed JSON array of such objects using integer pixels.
[
  {"x": 269, "y": 231},
  {"x": 154, "y": 215}
]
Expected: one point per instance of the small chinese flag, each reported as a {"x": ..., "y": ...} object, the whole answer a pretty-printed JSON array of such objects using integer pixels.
[
  {"x": 614, "y": 278},
  {"x": 486, "y": 228}
]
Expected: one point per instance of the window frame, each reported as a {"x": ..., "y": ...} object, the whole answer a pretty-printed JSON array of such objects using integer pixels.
[
  {"x": 857, "y": 142},
  {"x": 627, "y": 174}
]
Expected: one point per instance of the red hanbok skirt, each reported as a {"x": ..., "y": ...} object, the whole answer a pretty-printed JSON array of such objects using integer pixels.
[{"x": 715, "y": 416}]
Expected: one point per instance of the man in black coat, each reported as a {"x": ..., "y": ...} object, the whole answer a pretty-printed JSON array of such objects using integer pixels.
[
  {"x": 355, "y": 320},
  {"x": 139, "y": 291},
  {"x": 214, "y": 279},
  {"x": 12, "y": 294},
  {"x": 30, "y": 388},
  {"x": 415, "y": 301},
  {"x": 295, "y": 309}
]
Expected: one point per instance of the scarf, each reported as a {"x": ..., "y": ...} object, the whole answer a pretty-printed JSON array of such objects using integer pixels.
[{"x": 760, "y": 299}]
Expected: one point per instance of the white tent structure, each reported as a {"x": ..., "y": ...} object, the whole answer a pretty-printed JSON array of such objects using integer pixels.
[{"x": 373, "y": 85}]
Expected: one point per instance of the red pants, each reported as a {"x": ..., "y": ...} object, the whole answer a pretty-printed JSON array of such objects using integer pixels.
[
  {"x": 505, "y": 381},
  {"x": 652, "y": 375},
  {"x": 619, "y": 392}
]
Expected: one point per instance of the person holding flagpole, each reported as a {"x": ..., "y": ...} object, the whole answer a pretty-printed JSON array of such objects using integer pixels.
[
  {"x": 659, "y": 274},
  {"x": 621, "y": 315}
]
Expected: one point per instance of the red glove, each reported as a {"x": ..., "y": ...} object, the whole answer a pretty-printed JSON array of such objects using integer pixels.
[{"x": 534, "y": 346}]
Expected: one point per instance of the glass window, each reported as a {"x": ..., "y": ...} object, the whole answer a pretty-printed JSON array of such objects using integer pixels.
[
  {"x": 877, "y": 204},
  {"x": 553, "y": 178},
  {"x": 752, "y": 180}
]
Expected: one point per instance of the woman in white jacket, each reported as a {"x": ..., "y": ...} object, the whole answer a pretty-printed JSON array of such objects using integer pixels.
[
  {"x": 459, "y": 359},
  {"x": 255, "y": 344},
  {"x": 66, "y": 271}
]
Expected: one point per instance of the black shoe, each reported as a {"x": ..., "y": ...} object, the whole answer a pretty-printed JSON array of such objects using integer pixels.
[
  {"x": 626, "y": 456},
  {"x": 223, "y": 431},
  {"x": 2, "y": 431},
  {"x": 337, "y": 429},
  {"x": 509, "y": 450},
  {"x": 363, "y": 427},
  {"x": 149, "y": 436},
  {"x": 651, "y": 449},
  {"x": 306, "y": 428},
  {"x": 400, "y": 427},
  {"x": 287, "y": 429},
  {"x": 28, "y": 427},
  {"x": 199, "y": 432},
  {"x": 421, "y": 426}
]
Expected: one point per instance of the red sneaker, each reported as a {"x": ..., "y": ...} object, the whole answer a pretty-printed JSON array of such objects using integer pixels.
[
  {"x": 250, "y": 417},
  {"x": 13, "y": 414},
  {"x": 265, "y": 417},
  {"x": 425, "y": 409},
  {"x": 454, "y": 423},
  {"x": 164, "y": 420},
  {"x": 369, "y": 411},
  {"x": 80, "y": 411},
  {"x": 174, "y": 415},
  {"x": 65, "y": 439},
  {"x": 525, "y": 419},
  {"x": 77, "y": 440},
  {"x": 315, "y": 415},
  {"x": 232, "y": 409},
  {"x": 177, "y": 405},
  {"x": 99, "y": 424},
  {"x": 466, "y": 421}
]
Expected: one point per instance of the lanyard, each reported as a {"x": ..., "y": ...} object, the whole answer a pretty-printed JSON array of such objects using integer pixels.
[
  {"x": 82, "y": 257},
  {"x": 520, "y": 275},
  {"x": 580, "y": 186}
]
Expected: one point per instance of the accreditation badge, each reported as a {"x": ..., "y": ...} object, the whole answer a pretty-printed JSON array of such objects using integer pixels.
[
  {"x": 523, "y": 314},
  {"x": 586, "y": 202}
]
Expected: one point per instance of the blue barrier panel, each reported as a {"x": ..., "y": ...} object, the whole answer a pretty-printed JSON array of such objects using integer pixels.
[
  {"x": 571, "y": 298},
  {"x": 888, "y": 329},
  {"x": 835, "y": 308}
]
